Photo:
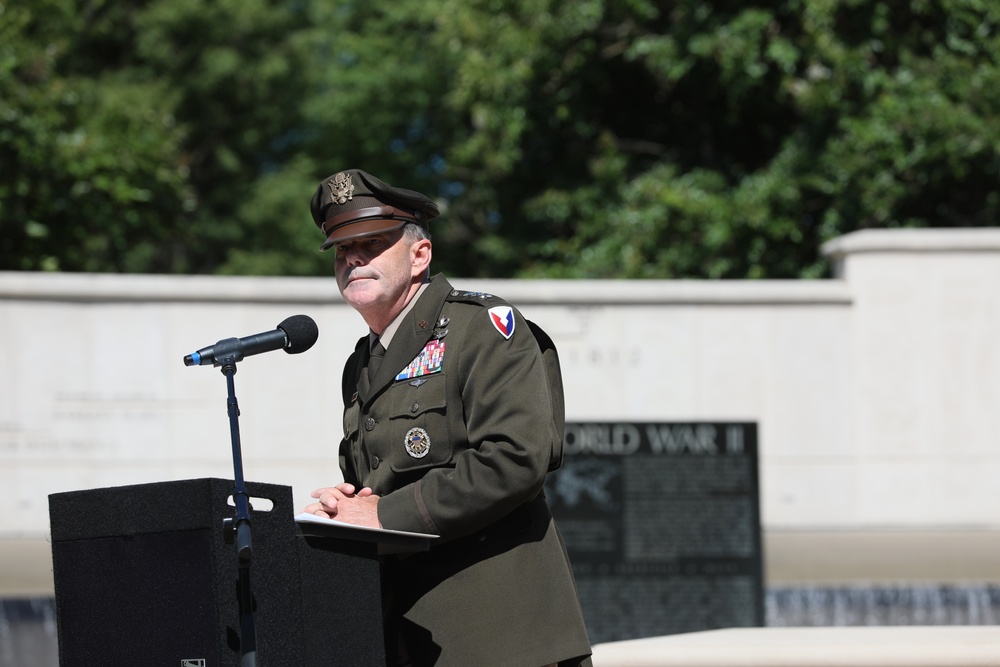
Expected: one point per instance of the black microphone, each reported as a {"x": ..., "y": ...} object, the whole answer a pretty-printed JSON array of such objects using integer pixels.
[{"x": 296, "y": 334}]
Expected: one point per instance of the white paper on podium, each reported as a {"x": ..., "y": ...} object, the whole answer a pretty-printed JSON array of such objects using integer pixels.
[
  {"x": 389, "y": 541},
  {"x": 312, "y": 518}
]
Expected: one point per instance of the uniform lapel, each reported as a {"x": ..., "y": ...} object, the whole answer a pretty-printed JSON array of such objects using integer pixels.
[
  {"x": 412, "y": 334},
  {"x": 364, "y": 384}
]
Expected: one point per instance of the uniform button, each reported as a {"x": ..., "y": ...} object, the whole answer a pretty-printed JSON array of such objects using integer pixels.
[
  {"x": 414, "y": 407},
  {"x": 370, "y": 424},
  {"x": 375, "y": 462}
]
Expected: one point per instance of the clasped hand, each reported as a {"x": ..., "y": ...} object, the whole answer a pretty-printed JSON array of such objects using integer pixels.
[{"x": 344, "y": 503}]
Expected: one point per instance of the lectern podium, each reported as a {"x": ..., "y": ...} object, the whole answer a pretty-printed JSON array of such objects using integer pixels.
[{"x": 144, "y": 575}]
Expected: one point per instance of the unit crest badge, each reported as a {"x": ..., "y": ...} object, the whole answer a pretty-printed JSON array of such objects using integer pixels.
[{"x": 417, "y": 443}]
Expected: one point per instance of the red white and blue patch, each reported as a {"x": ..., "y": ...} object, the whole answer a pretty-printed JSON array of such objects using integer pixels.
[{"x": 502, "y": 318}]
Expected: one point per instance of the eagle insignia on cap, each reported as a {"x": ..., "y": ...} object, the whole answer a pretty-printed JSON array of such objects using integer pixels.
[
  {"x": 341, "y": 188},
  {"x": 417, "y": 443}
]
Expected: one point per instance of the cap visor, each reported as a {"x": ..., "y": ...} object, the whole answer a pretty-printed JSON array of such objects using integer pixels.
[{"x": 355, "y": 230}]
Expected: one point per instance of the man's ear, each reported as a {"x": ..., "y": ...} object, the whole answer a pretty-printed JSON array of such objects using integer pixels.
[{"x": 420, "y": 257}]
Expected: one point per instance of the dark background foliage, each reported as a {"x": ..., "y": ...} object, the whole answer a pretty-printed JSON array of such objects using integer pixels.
[{"x": 570, "y": 139}]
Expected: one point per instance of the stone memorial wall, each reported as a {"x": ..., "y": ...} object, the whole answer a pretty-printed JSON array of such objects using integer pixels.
[
  {"x": 874, "y": 394},
  {"x": 662, "y": 524}
]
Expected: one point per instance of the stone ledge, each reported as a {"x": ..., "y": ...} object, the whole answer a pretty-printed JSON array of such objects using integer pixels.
[
  {"x": 898, "y": 646},
  {"x": 936, "y": 239},
  {"x": 25, "y": 567},
  {"x": 99, "y": 288},
  {"x": 881, "y": 556}
]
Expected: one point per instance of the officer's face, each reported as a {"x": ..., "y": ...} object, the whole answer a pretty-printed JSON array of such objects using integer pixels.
[{"x": 375, "y": 272}]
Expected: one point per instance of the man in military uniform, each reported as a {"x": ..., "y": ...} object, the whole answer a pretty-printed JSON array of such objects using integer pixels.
[{"x": 452, "y": 418}]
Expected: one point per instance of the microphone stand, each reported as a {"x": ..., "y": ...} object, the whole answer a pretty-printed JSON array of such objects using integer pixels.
[{"x": 227, "y": 353}]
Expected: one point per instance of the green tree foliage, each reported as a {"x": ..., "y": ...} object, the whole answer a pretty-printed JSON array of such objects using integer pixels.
[
  {"x": 715, "y": 139},
  {"x": 132, "y": 134},
  {"x": 563, "y": 138}
]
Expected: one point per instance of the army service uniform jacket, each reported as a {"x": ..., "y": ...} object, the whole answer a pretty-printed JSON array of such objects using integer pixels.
[{"x": 455, "y": 431}]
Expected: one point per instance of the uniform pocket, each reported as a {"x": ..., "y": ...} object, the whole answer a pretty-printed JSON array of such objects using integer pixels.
[{"x": 418, "y": 423}]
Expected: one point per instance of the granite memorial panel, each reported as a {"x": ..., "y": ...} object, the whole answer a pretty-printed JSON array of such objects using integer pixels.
[{"x": 662, "y": 523}]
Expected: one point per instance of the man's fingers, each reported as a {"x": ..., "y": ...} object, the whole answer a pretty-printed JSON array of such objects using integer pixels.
[
  {"x": 328, "y": 498},
  {"x": 319, "y": 509}
]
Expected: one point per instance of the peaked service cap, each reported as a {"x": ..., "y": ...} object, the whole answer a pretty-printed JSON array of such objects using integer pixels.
[{"x": 354, "y": 203}]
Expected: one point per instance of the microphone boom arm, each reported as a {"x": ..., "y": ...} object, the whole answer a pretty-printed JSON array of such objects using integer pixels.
[{"x": 239, "y": 526}]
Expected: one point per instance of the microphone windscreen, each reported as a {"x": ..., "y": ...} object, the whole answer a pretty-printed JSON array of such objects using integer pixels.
[{"x": 301, "y": 331}]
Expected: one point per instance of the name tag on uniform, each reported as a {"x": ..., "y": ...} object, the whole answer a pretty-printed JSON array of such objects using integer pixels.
[{"x": 428, "y": 361}]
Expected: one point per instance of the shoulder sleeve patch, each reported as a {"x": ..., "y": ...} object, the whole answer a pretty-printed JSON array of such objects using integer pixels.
[
  {"x": 502, "y": 318},
  {"x": 501, "y": 313}
]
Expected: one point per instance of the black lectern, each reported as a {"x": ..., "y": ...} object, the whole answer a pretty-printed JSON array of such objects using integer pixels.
[{"x": 144, "y": 575}]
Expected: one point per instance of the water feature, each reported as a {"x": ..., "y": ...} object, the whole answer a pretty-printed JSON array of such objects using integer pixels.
[
  {"x": 883, "y": 605},
  {"x": 28, "y": 626},
  {"x": 28, "y": 633}
]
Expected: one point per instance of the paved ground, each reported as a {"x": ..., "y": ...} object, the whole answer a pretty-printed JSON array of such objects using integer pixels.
[{"x": 913, "y": 646}]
